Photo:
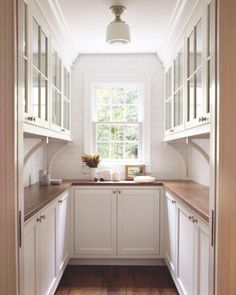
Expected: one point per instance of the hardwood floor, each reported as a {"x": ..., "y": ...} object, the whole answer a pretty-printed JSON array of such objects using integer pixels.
[{"x": 116, "y": 280}]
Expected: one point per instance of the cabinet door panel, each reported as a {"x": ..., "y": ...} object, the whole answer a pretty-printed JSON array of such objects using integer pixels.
[
  {"x": 170, "y": 231},
  {"x": 30, "y": 258},
  {"x": 186, "y": 251},
  {"x": 63, "y": 231},
  {"x": 95, "y": 222},
  {"x": 138, "y": 222},
  {"x": 47, "y": 250}
]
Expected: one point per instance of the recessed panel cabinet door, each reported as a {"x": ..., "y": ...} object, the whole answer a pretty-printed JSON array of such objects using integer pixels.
[
  {"x": 95, "y": 222},
  {"x": 62, "y": 231},
  {"x": 170, "y": 231},
  {"x": 47, "y": 250},
  {"x": 138, "y": 222},
  {"x": 30, "y": 258},
  {"x": 186, "y": 251}
]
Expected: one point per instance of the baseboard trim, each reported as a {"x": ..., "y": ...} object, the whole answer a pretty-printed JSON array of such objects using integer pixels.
[{"x": 150, "y": 262}]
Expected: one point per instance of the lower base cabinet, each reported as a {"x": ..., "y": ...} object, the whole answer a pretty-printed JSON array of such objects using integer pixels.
[
  {"x": 116, "y": 222},
  {"x": 43, "y": 235},
  {"x": 186, "y": 248}
]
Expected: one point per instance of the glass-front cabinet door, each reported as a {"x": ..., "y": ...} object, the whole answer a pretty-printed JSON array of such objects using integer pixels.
[
  {"x": 39, "y": 89},
  {"x": 56, "y": 91},
  {"x": 195, "y": 93},
  {"x": 66, "y": 101},
  {"x": 168, "y": 102}
]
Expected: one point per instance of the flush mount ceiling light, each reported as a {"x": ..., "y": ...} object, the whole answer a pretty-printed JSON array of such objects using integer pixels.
[{"x": 118, "y": 31}]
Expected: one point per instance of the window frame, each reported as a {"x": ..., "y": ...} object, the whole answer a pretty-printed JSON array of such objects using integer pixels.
[{"x": 144, "y": 118}]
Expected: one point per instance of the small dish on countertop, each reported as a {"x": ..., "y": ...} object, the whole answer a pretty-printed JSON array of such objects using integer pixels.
[{"x": 144, "y": 179}]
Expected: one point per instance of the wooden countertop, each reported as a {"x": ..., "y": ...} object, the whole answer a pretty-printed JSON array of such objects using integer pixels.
[
  {"x": 194, "y": 195},
  {"x": 38, "y": 196},
  {"x": 83, "y": 182}
]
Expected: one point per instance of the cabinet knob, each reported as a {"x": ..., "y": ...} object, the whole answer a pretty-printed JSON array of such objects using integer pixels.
[
  {"x": 191, "y": 217},
  {"x": 114, "y": 192},
  {"x": 195, "y": 220},
  {"x": 39, "y": 219},
  {"x": 60, "y": 201},
  {"x": 173, "y": 201},
  {"x": 200, "y": 119},
  {"x": 43, "y": 216},
  {"x": 63, "y": 130}
]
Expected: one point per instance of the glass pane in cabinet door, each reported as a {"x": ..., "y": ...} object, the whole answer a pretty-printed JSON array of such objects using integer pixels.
[
  {"x": 44, "y": 54},
  {"x": 167, "y": 85},
  {"x": 181, "y": 106},
  {"x": 35, "y": 105},
  {"x": 54, "y": 67},
  {"x": 58, "y": 73},
  {"x": 66, "y": 119},
  {"x": 35, "y": 45},
  {"x": 44, "y": 98},
  {"x": 25, "y": 86},
  {"x": 208, "y": 99},
  {"x": 191, "y": 57},
  {"x": 181, "y": 67},
  {"x": 176, "y": 74},
  {"x": 25, "y": 35},
  {"x": 199, "y": 94},
  {"x": 176, "y": 109},
  {"x": 191, "y": 100},
  {"x": 209, "y": 29},
  {"x": 168, "y": 114},
  {"x": 199, "y": 44},
  {"x": 56, "y": 107}
]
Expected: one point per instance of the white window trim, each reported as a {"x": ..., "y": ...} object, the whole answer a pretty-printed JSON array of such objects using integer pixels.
[{"x": 89, "y": 112}]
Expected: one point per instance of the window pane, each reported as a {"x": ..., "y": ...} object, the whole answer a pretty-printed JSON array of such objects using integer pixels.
[
  {"x": 44, "y": 98},
  {"x": 103, "y": 95},
  {"x": 132, "y": 113},
  {"x": 117, "y": 96},
  {"x": 117, "y": 133},
  {"x": 191, "y": 59},
  {"x": 132, "y": 132},
  {"x": 35, "y": 44},
  {"x": 117, "y": 113},
  {"x": 43, "y": 58},
  {"x": 36, "y": 78},
  {"x": 103, "y": 113},
  {"x": 131, "y": 150},
  {"x": 131, "y": 96},
  {"x": 103, "y": 150},
  {"x": 199, "y": 96},
  {"x": 116, "y": 151},
  {"x": 191, "y": 100},
  {"x": 103, "y": 132},
  {"x": 199, "y": 45}
]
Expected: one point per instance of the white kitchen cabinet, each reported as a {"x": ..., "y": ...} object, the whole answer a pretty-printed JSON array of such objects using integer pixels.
[
  {"x": 186, "y": 251},
  {"x": 62, "y": 231},
  {"x": 46, "y": 248},
  {"x": 138, "y": 221},
  {"x": 170, "y": 232},
  {"x": 95, "y": 221},
  {"x": 46, "y": 245},
  {"x": 186, "y": 248},
  {"x": 30, "y": 257}
]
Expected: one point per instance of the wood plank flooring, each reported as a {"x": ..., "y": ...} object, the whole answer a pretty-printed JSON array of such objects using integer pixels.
[{"x": 116, "y": 280}]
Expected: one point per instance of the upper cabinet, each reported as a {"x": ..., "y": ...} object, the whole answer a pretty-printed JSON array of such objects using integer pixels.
[
  {"x": 190, "y": 77},
  {"x": 46, "y": 89}
]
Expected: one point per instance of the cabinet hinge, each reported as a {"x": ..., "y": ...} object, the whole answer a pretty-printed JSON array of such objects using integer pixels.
[
  {"x": 212, "y": 228},
  {"x": 19, "y": 229}
]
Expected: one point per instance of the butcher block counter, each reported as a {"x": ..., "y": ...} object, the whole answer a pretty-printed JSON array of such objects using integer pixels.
[{"x": 192, "y": 194}]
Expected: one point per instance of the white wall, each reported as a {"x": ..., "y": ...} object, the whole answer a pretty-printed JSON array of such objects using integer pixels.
[
  {"x": 35, "y": 162},
  {"x": 164, "y": 162},
  {"x": 198, "y": 166}
]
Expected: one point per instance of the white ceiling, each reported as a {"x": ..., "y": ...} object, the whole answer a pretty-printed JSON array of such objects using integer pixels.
[{"x": 87, "y": 21}]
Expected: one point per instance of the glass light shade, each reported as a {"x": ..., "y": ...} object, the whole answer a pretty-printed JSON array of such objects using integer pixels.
[{"x": 118, "y": 33}]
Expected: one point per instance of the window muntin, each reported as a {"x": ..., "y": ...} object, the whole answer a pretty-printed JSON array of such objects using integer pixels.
[{"x": 118, "y": 122}]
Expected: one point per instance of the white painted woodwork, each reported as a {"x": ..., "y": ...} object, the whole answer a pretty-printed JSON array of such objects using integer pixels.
[
  {"x": 138, "y": 221},
  {"x": 202, "y": 278},
  {"x": 170, "y": 231},
  {"x": 62, "y": 231},
  {"x": 46, "y": 244},
  {"x": 95, "y": 221},
  {"x": 30, "y": 258}
]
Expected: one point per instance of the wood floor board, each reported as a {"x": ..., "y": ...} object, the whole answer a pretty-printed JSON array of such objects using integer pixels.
[{"x": 116, "y": 280}]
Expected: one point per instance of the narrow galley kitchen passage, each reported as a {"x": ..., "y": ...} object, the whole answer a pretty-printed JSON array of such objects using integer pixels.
[{"x": 119, "y": 280}]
